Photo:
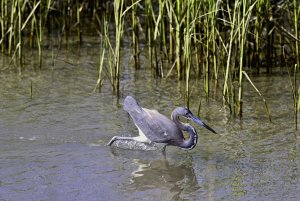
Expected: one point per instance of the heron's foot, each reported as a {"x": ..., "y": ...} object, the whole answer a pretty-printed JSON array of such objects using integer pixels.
[
  {"x": 132, "y": 144},
  {"x": 119, "y": 138},
  {"x": 112, "y": 141}
]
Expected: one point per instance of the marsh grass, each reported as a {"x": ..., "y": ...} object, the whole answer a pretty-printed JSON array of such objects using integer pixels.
[{"x": 224, "y": 41}]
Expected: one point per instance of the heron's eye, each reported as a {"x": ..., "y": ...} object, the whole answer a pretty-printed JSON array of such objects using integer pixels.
[{"x": 186, "y": 114}]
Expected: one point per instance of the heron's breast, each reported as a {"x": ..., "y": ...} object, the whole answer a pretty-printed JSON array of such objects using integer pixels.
[{"x": 142, "y": 137}]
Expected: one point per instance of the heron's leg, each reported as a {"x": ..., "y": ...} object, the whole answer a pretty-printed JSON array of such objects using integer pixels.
[{"x": 119, "y": 138}]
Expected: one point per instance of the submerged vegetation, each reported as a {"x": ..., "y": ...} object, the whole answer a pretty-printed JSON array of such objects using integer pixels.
[{"x": 215, "y": 40}]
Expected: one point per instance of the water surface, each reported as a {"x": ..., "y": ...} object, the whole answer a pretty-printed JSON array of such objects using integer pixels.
[{"x": 52, "y": 142}]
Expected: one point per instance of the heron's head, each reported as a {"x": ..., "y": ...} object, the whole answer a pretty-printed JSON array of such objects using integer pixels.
[{"x": 186, "y": 113}]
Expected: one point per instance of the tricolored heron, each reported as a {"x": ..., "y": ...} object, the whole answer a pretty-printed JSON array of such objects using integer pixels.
[{"x": 155, "y": 127}]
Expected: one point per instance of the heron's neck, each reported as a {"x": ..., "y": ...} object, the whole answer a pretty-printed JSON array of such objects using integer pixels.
[
  {"x": 191, "y": 142},
  {"x": 181, "y": 125}
]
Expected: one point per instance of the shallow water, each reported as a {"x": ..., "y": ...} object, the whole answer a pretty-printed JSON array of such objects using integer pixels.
[{"x": 52, "y": 145}]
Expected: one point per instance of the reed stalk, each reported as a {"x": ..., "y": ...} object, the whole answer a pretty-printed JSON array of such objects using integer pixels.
[
  {"x": 11, "y": 41},
  {"x": 214, "y": 37},
  {"x": 135, "y": 38},
  {"x": 100, "y": 69},
  {"x": 257, "y": 32},
  {"x": 3, "y": 22},
  {"x": 178, "y": 21},
  {"x": 263, "y": 99},
  {"x": 242, "y": 43},
  {"x": 39, "y": 32},
  {"x": 118, "y": 13},
  {"x": 209, "y": 38},
  {"x": 227, "y": 81},
  {"x": 20, "y": 45},
  {"x": 32, "y": 28},
  {"x": 170, "y": 12},
  {"x": 206, "y": 63},
  {"x": 163, "y": 28},
  {"x": 210, "y": 47},
  {"x": 296, "y": 21},
  {"x": 107, "y": 45},
  {"x": 213, "y": 8},
  {"x": 295, "y": 97},
  {"x": 149, "y": 27},
  {"x": 187, "y": 52},
  {"x": 196, "y": 38},
  {"x": 246, "y": 14}
]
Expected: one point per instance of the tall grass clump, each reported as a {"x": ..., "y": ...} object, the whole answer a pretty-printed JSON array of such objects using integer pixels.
[
  {"x": 221, "y": 42},
  {"x": 24, "y": 24}
]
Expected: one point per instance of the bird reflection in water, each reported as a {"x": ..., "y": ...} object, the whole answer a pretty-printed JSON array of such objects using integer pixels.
[{"x": 174, "y": 182}]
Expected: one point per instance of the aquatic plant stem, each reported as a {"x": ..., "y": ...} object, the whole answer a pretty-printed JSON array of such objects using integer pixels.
[
  {"x": 20, "y": 46},
  {"x": 135, "y": 38},
  {"x": 226, "y": 94},
  {"x": 3, "y": 22},
  {"x": 187, "y": 53},
  {"x": 241, "y": 63},
  {"x": 296, "y": 21},
  {"x": 295, "y": 94},
  {"x": 99, "y": 80},
  {"x": 178, "y": 38},
  {"x": 118, "y": 12},
  {"x": 263, "y": 99}
]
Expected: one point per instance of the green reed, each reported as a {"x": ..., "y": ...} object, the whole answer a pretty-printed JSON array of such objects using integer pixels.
[
  {"x": 20, "y": 44},
  {"x": 178, "y": 22},
  {"x": 11, "y": 29},
  {"x": 209, "y": 39},
  {"x": 3, "y": 23},
  {"x": 245, "y": 18},
  {"x": 296, "y": 21},
  {"x": 296, "y": 97},
  {"x": 187, "y": 52},
  {"x": 149, "y": 27},
  {"x": 257, "y": 32},
  {"x": 135, "y": 38},
  {"x": 107, "y": 45},
  {"x": 227, "y": 78},
  {"x": 119, "y": 22},
  {"x": 258, "y": 92},
  {"x": 169, "y": 12},
  {"x": 100, "y": 80},
  {"x": 78, "y": 20},
  {"x": 39, "y": 36}
]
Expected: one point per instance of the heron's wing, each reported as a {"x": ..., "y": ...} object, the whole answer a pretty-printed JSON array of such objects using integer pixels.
[
  {"x": 158, "y": 128},
  {"x": 147, "y": 124}
]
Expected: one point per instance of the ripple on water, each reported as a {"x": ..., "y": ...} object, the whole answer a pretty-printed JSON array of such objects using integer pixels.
[{"x": 52, "y": 145}]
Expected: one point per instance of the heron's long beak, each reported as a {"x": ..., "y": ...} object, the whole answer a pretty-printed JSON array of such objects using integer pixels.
[{"x": 201, "y": 123}]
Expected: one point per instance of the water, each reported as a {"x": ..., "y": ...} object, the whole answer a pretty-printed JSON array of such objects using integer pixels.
[{"x": 52, "y": 143}]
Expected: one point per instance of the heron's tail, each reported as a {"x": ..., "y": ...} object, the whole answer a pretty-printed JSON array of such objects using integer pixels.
[{"x": 131, "y": 105}]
